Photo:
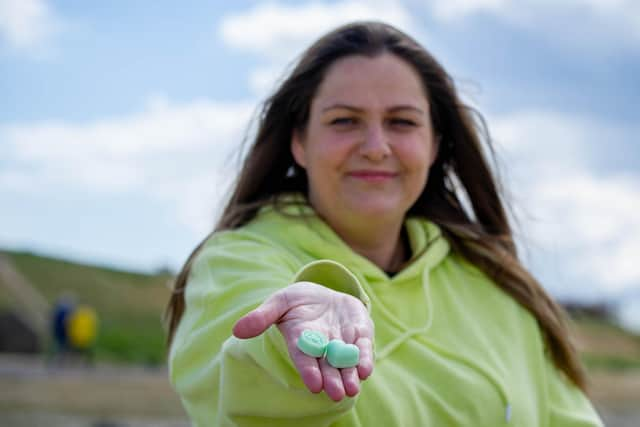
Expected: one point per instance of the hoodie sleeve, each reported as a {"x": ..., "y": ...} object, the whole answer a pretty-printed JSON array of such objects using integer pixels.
[
  {"x": 335, "y": 276},
  {"x": 225, "y": 381},
  {"x": 568, "y": 405}
]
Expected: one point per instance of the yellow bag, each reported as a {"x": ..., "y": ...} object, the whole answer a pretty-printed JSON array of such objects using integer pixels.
[{"x": 82, "y": 327}]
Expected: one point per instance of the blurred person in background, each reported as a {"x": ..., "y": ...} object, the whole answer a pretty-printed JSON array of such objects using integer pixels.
[
  {"x": 82, "y": 327},
  {"x": 63, "y": 306},
  {"x": 366, "y": 209},
  {"x": 74, "y": 329}
]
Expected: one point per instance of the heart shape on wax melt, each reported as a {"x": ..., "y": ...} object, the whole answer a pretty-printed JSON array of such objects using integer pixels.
[{"x": 342, "y": 355}]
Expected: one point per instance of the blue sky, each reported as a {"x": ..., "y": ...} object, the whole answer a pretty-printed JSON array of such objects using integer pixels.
[{"x": 118, "y": 119}]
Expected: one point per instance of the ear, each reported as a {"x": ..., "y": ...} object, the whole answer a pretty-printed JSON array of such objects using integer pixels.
[{"x": 297, "y": 149}]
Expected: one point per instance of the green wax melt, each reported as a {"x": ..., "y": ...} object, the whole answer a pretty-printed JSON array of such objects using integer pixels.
[
  {"x": 312, "y": 343},
  {"x": 341, "y": 355}
]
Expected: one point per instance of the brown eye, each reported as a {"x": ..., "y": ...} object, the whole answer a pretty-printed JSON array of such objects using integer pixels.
[
  {"x": 403, "y": 122},
  {"x": 343, "y": 121}
]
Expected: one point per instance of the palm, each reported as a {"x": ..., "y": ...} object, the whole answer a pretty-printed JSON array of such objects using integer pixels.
[
  {"x": 307, "y": 305},
  {"x": 334, "y": 314}
]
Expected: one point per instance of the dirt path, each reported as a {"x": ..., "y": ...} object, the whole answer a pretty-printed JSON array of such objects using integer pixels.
[{"x": 33, "y": 394}]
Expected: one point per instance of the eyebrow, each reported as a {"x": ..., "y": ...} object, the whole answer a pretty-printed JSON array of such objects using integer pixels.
[{"x": 393, "y": 109}]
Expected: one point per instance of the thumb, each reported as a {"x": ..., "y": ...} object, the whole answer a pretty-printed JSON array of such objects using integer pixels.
[{"x": 258, "y": 320}]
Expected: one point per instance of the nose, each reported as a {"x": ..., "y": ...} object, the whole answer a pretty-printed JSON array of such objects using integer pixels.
[{"x": 375, "y": 145}]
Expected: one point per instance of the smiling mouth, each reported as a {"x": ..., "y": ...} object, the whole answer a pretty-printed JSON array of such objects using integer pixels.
[{"x": 372, "y": 176}]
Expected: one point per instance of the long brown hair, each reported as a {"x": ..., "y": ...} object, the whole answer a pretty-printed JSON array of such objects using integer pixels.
[{"x": 461, "y": 194}]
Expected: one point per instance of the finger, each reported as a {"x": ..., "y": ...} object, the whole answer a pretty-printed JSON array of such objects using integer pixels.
[
  {"x": 308, "y": 368},
  {"x": 258, "y": 320},
  {"x": 348, "y": 333},
  {"x": 331, "y": 381},
  {"x": 306, "y": 365},
  {"x": 350, "y": 381},
  {"x": 365, "y": 365}
]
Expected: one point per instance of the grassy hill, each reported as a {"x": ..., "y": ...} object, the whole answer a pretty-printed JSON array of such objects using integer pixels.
[
  {"x": 130, "y": 307},
  {"x": 605, "y": 346}
]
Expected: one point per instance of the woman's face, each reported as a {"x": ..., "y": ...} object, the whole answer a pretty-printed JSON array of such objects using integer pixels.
[{"x": 369, "y": 141}]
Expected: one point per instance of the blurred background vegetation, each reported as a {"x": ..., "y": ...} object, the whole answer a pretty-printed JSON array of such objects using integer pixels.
[{"x": 129, "y": 305}]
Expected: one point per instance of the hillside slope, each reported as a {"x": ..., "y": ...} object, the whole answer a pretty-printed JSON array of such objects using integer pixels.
[{"x": 130, "y": 307}]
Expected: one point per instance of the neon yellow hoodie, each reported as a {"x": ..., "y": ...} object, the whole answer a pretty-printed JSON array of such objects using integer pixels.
[{"x": 452, "y": 349}]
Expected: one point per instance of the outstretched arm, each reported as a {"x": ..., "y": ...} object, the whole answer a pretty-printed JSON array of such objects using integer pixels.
[
  {"x": 306, "y": 305},
  {"x": 239, "y": 284}
]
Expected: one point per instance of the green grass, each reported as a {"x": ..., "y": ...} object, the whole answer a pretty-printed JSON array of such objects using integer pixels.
[
  {"x": 604, "y": 326},
  {"x": 129, "y": 305},
  {"x": 120, "y": 340},
  {"x": 599, "y": 362},
  {"x": 612, "y": 347}
]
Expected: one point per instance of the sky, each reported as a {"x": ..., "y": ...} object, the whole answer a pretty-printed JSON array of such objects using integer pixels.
[{"x": 120, "y": 121}]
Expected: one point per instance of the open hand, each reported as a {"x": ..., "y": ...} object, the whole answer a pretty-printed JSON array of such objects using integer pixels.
[{"x": 306, "y": 305}]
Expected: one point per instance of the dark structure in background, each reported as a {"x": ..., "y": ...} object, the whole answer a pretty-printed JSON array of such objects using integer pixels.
[
  {"x": 16, "y": 336},
  {"x": 602, "y": 311}
]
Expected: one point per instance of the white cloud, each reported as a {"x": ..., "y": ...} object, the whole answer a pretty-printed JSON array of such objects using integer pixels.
[
  {"x": 176, "y": 153},
  {"x": 277, "y": 32},
  {"x": 594, "y": 220},
  {"x": 264, "y": 79},
  {"x": 272, "y": 29},
  {"x": 456, "y": 9},
  {"x": 27, "y": 25},
  {"x": 567, "y": 20},
  {"x": 590, "y": 219}
]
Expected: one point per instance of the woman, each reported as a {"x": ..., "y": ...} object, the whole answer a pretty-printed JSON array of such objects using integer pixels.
[{"x": 366, "y": 200}]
